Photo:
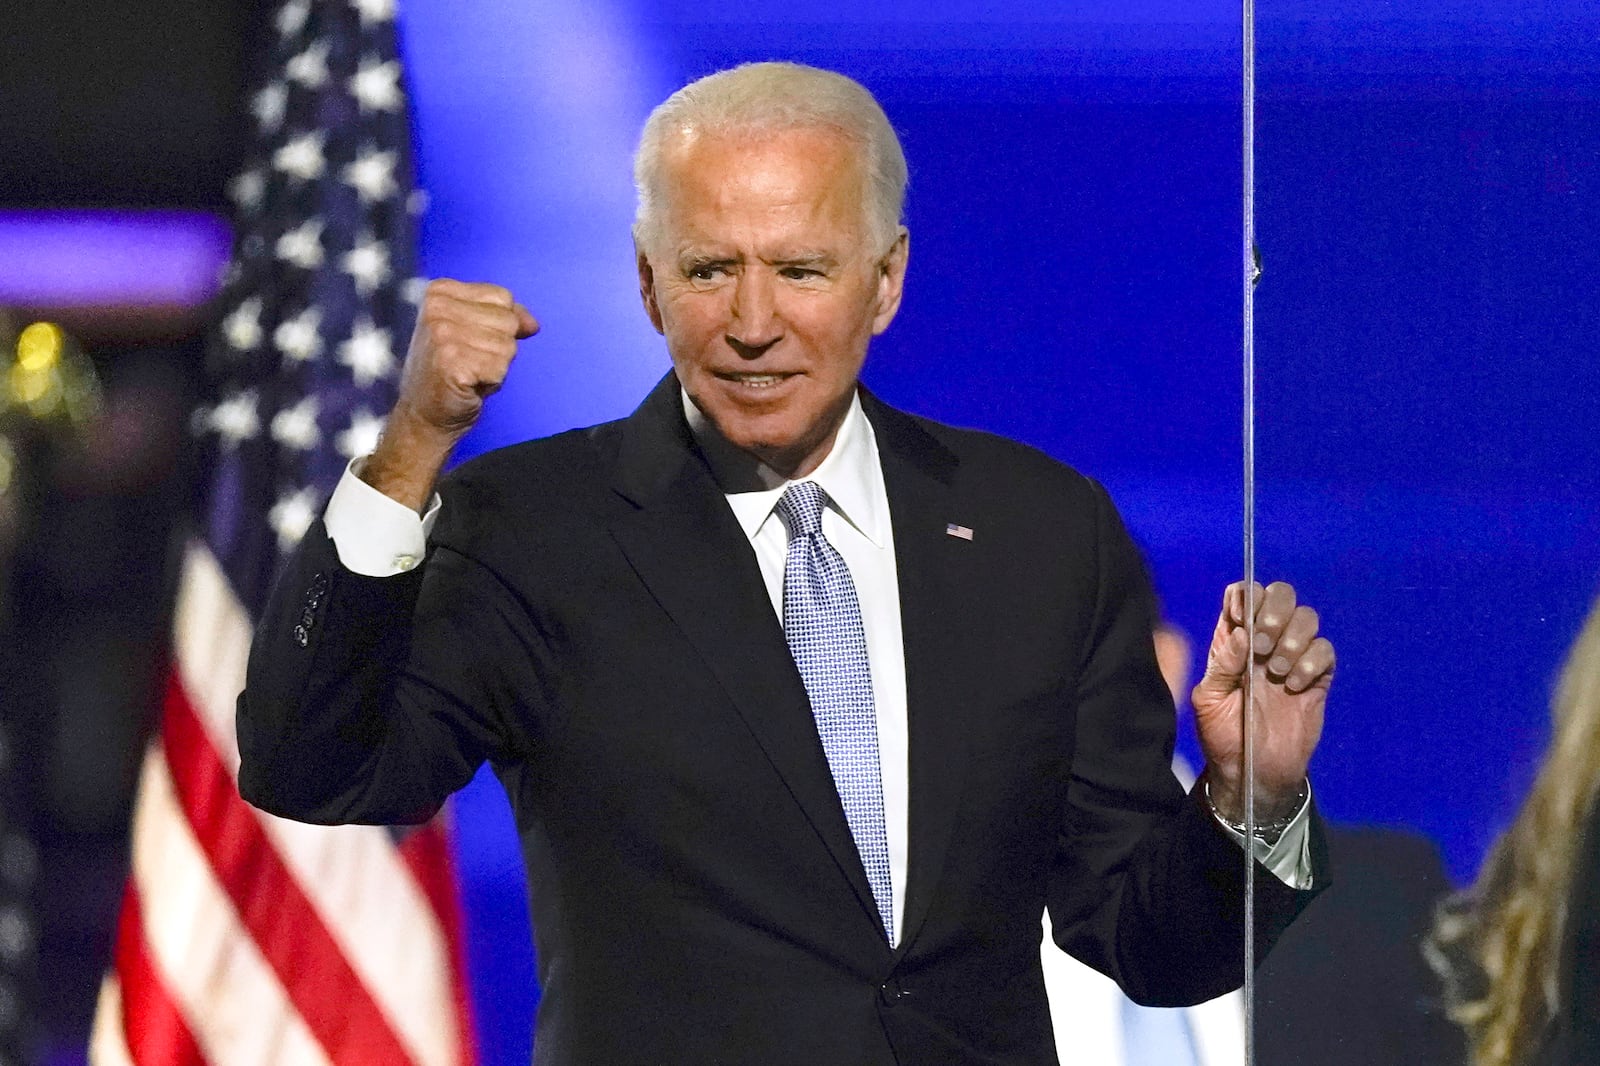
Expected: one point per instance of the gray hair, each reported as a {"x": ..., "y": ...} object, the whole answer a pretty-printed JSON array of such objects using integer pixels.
[{"x": 765, "y": 97}]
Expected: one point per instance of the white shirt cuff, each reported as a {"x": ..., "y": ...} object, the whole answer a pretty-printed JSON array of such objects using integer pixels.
[
  {"x": 1290, "y": 858},
  {"x": 374, "y": 535}
]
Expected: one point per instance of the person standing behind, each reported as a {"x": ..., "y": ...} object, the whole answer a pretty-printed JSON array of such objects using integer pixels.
[
  {"x": 1346, "y": 983},
  {"x": 1520, "y": 949}
]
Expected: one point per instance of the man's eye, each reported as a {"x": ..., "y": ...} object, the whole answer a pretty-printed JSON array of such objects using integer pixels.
[
  {"x": 705, "y": 271},
  {"x": 800, "y": 273}
]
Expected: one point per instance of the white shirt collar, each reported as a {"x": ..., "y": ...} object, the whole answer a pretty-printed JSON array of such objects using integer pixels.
[{"x": 850, "y": 474}]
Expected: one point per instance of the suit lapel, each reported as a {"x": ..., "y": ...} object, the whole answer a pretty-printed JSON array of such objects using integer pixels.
[
  {"x": 686, "y": 546},
  {"x": 917, "y": 471}
]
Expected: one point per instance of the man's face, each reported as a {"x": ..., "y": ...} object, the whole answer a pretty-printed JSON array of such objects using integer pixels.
[{"x": 764, "y": 279}]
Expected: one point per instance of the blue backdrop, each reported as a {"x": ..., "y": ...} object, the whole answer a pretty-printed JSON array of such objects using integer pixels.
[{"x": 1429, "y": 453}]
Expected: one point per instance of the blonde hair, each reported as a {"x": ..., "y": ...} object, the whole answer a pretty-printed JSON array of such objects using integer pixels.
[
  {"x": 768, "y": 97},
  {"x": 1499, "y": 944}
]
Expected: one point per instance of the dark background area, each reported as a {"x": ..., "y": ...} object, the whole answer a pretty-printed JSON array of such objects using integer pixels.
[
  {"x": 135, "y": 104},
  {"x": 120, "y": 105}
]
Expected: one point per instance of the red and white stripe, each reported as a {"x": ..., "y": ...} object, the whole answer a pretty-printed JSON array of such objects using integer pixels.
[{"x": 248, "y": 940}]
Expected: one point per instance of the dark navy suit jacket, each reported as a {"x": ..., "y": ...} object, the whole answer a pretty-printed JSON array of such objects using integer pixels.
[{"x": 592, "y": 621}]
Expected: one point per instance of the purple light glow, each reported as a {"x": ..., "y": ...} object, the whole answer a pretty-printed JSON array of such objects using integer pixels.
[{"x": 77, "y": 259}]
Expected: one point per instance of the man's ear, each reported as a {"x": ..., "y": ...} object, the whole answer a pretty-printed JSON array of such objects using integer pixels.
[
  {"x": 891, "y": 280},
  {"x": 647, "y": 287}
]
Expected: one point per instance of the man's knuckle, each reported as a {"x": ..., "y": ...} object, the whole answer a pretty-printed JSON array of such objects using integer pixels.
[
  {"x": 436, "y": 306},
  {"x": 489, "y": 293},
  {"x": 502, "y": 320}
]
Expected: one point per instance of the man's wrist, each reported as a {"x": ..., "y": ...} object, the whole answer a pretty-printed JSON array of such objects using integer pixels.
[
  {"x": 1267, "y": 829},
  {"x": 408, "y": 460}
]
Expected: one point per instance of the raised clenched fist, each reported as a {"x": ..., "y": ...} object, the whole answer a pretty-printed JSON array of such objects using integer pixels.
[{"x": 465, "y": 338}]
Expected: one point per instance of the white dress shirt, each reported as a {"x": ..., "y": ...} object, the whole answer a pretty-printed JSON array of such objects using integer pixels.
[{"x": 380, "y": 537}]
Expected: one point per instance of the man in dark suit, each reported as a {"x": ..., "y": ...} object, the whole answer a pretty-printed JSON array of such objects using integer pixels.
[
  {"x": 1349, "y": 981},
  {"x": 806, "y": 707}
]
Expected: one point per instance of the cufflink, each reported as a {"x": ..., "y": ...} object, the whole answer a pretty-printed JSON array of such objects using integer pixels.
[{"x": 308, "y": 611}]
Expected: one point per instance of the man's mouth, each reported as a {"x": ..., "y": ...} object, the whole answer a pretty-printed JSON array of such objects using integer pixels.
[{"x": 754, "y": 380}]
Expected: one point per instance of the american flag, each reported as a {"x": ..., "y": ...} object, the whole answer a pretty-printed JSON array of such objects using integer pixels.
[{"x": 245, "y": 939}]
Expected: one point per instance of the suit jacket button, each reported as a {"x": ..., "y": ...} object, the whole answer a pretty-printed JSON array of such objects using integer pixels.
[
  {"x": 302, "y": 636},
  {"x": 892, "y": 992}
]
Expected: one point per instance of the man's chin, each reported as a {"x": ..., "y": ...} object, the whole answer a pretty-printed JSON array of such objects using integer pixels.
[
  {"x": 789, "y": 454},
  {"x": 782, "y": 439},
  {"x": 772, "y": 450}
]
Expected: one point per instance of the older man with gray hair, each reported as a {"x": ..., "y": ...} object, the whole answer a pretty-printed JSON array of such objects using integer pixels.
[{"x": 807, "y": 708}]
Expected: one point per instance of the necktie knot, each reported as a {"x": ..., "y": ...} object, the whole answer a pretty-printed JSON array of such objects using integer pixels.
[{"x": 801, "y": 508}]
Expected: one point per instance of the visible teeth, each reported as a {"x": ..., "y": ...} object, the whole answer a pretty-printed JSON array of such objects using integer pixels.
[{"x": 758, "y": 380}]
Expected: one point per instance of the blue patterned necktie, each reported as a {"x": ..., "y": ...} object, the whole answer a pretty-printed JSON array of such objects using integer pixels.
[{"x": 822, "y": 623}]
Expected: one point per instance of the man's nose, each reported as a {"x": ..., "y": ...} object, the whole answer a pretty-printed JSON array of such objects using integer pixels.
[{"x": 754, "y": 324}]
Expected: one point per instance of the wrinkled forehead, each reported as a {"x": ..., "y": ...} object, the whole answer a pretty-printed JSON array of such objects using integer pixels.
[{"x": 705, "y": 167}]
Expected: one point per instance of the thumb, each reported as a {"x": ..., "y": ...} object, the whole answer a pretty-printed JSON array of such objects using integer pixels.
[
  {"x": 1225, "y": 663},
  {"x": 527, "y": 325}
]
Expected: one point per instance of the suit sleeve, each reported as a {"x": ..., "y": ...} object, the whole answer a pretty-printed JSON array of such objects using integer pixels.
[
  {"x": 1147, "y": 888},
  {"x": 371, "y": 699}
]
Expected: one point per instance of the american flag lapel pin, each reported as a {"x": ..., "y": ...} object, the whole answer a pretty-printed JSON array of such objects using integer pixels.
[{"x": 961, "y": 532}]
